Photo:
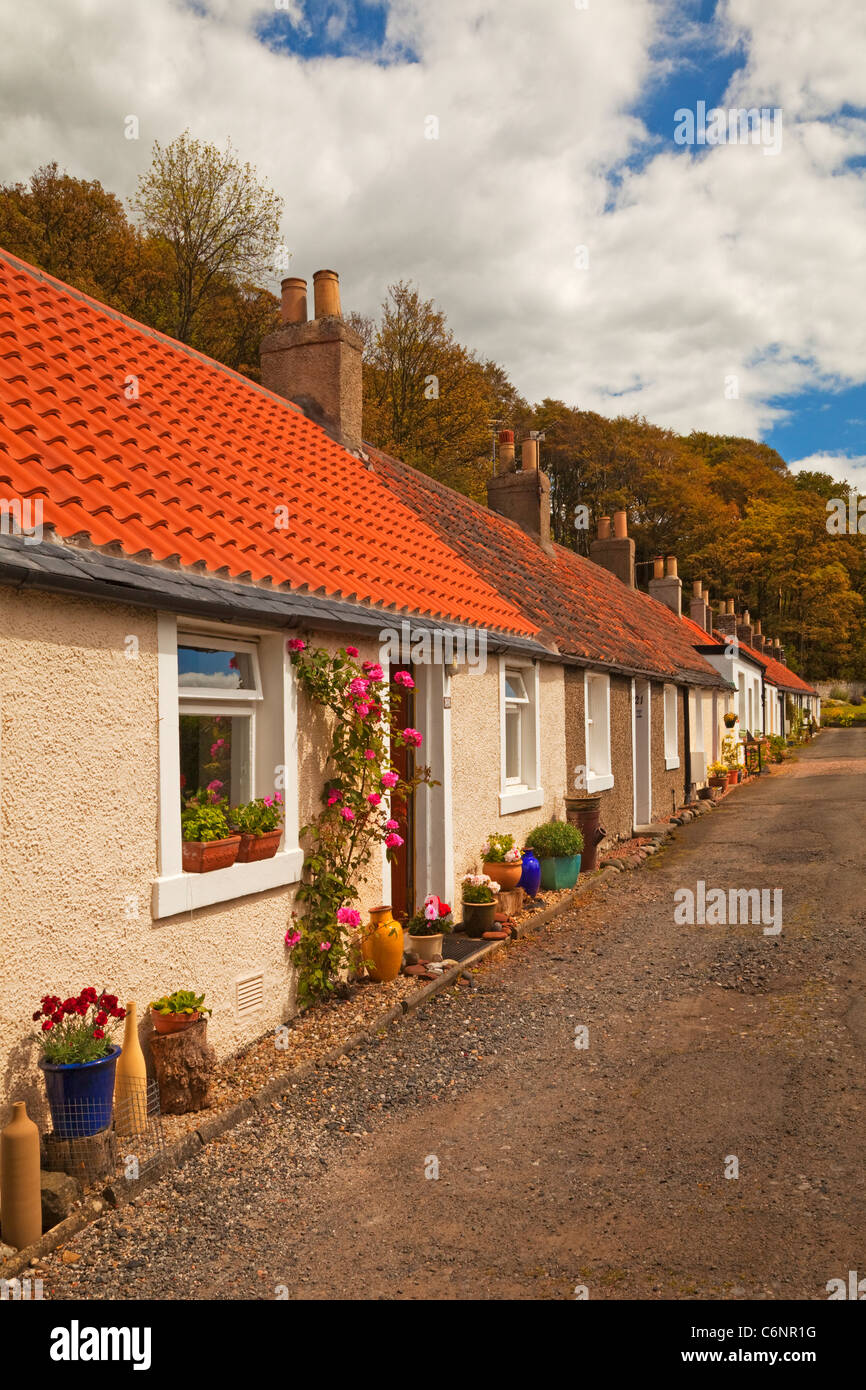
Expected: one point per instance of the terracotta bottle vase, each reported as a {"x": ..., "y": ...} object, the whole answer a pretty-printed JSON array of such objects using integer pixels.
[
  {"x": 130, "y": 1083},
  {"x": 382, "y": 945},
  {"x": 20, "y": 1191}
]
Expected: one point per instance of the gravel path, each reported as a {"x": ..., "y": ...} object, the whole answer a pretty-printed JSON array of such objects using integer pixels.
[{"x": 560, "y": 1166}]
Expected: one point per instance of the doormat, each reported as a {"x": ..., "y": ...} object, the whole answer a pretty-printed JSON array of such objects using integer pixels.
[{"x": 461, "y": 947}]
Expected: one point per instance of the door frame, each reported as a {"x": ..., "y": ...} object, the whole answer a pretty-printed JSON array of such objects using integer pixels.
[{"x": 641, "y": 747}]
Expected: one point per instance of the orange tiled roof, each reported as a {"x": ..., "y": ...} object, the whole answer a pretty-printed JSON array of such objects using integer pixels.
[
  {"x": 191, "y": 471},
  {"x": 586, "y": 610}
]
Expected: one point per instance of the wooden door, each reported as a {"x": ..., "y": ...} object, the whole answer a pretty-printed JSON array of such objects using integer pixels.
[{"x": 403, "y": 865}]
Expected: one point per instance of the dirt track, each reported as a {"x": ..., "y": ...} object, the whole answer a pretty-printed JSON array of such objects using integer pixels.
[{"x": 561, "y": 1166}]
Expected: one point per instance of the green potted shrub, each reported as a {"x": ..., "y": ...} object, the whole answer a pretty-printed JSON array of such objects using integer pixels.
[
  {"x": 427, "y": 928},
  {"x": 176, "y": 1012},
  {"x": 260, "y": 825},
  {"x": 208, "y": 842},
  {"x": 558, "y": 845},
  {"x": 502, "y": 861},
  {"x": 479, "y": 903}
]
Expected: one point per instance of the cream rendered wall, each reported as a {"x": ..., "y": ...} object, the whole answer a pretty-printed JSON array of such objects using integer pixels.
[
  {"x": 475, "y": 760},
  {"x": 78, "y": 835}
]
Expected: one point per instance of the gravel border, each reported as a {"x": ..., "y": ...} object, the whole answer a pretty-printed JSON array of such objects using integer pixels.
[{"x": 118, "y": 1192}]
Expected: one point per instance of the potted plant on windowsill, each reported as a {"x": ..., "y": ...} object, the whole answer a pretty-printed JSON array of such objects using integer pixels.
[
  {"x": 559, "y": 845},
  {"x": 79, "y": 1060},
  {"x": 502, "y": 861},
  {"x": 718, "y": 774},
  {"x": 260, "y": 825},
  {"x": 176, "y": 1012},
  {"x": 428, "y": 927},
  {"x": 208, "y": 843},
  {"x": 479, "y": 903}
]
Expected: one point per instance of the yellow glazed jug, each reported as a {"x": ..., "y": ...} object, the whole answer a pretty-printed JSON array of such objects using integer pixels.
[
  {"x": 130, "y": 1080},
  {"x": 382, "y": 945}
]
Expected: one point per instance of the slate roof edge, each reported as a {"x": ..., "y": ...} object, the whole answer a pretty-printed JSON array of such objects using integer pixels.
[{"x": 56, "y": 568}]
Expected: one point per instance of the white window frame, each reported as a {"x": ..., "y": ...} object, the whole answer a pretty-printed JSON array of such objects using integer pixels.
[
  {"x": 206, "y": 693},
  {"x": 274, "y": 742},
  {"x": 600, "y": 778},
  {"x": 672, "y": 729},
  {"x": 526, "y": 794}
]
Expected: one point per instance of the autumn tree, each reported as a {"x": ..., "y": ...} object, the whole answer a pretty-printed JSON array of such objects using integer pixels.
[
  {"x": 219, "y": 222},
  {"x": 428, "y": 399}
]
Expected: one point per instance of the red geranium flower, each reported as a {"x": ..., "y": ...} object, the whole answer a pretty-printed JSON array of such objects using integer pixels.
[
  {"x": 99, "y": 1032},
  {"x": 102, "y": 1018},
  {"x": 444, "y": 909},
  {"x": 58, "y": 1017},
  {"x": 37, "y": 1015},
  {"x": 69, "y": 1005},
  {"x": 47, "y": 1025}
]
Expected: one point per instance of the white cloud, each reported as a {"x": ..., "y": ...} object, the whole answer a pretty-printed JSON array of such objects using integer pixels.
[
  {"x": 844, "y": 468},
  {"x": 703, "y": 266}
]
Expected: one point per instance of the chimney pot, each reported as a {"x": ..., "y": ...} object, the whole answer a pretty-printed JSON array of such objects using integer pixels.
[
  {"x": 293, "y": 308},
  {"x": 326, "y": 294},
  {"x": 659, "y": 567},
  {"x": 604, "y": 528},
  {"x": 729, "y": 606},
  {"x": 706, "y": 595},
  {"x": 672, "y": 567},
  {"x": 758, "y": 626},
  {"x": 697, "y": 589},
  {"x": 529, "y": 455},
  {"x": 506, "y": 450},
  {"x": 620, "y": 526}
]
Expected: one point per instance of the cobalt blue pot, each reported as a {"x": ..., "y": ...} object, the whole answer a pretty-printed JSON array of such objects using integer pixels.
[
  {"x": 531, "y": 876},
  {"x": 80, "y": 1095}
]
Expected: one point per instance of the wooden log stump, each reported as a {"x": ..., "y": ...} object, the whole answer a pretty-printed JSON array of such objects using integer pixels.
[
  {"x": 183, "y": 1063},
  {"x": 510, "y": 902},
  {"x": 88, "y": 1159}
]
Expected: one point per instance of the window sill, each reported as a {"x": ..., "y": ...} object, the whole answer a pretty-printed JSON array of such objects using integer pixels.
[
  {"x": 520, "y": 799},
  {"x": 671, "y": 763},
  {"x": 183, "y": 892},
  {"x": 601, "y": 783}
]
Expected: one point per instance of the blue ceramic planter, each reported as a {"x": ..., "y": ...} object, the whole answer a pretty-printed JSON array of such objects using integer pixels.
[
  {"x": 80, "y": 1095},
  {"x": 531, "y": 876},
  {"x": 557, "y": 874}
]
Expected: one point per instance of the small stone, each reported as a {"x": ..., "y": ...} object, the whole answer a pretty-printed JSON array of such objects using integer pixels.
[
  {"x": 410, "y": 958},
  {"x": 70, "y": 1257},
  {"x": 495, "y": 935},
  {"x": 60, "y": 1193},
  {"x": 7, "y": 1251}
]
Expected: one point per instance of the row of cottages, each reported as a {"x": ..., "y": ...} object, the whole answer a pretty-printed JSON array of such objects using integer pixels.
[{"x": 175, "y": 524}]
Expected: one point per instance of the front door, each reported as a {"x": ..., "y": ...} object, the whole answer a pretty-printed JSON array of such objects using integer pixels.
[
  {"x": 642, "y": 753},
  {"x": 403, "y": 863}
]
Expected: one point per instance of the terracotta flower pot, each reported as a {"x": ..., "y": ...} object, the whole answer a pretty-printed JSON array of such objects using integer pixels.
[
  {"x": 426, "y": 947},
  {"x": 172, "y": 1023},
  {"x": 203, "y": 856},
  {"x": 718, "y": 781},
  {"x": 733, "y": 778},
  {"x": 263, "y": 846},
  {"x": 506, "y": 875}
]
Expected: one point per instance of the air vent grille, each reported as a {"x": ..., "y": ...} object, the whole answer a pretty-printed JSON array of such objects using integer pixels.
[{"x": 250, "y": 993}]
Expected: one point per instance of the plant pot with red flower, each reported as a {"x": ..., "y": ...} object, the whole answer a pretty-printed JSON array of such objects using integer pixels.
[
  {"x": 427, "y": 929},
  {"x": 503, "y": 862},
  {"x": 208, "y": 843},
  {"x": 78, "y": 1060},
  {"x": 259, "y": 824}
]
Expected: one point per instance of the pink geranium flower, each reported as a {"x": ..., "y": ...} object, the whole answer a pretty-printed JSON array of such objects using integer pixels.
[{"x": 390, "y": 779}]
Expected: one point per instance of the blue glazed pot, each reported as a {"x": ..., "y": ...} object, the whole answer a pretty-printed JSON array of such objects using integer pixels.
[
  {"x": 531, "y": 876},
  {"x": 560, "y": 873},
  {"x": 80, "y": 1095}
]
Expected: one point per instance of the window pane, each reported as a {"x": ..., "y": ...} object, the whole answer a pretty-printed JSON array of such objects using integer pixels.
[
  {"x": 514, "y": 687},
  {"x": 202, "y": 668},
  {"x": 215, "y": 749},
  {"x": 512, "y": 742}
]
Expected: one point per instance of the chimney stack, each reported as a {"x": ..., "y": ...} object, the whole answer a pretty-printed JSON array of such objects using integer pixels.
[
  {"x": 506, "y": 451},
  {"x": 616, "y": 552},
  {"x": 726, "y": 623},
  {"x": 699, "y": 608},
  {"x": 667, "y": 587},
  {"x": 524, "y": 496},
  {"x": 779, "y": 652},
  {"x": 744, "y": 629},
  {"x": 317, "y": 362}
]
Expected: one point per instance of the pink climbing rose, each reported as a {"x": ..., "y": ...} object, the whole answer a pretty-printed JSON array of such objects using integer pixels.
[
  {"x": 358, "y": 686},
  {"x": 374, "y": 798},
  {"x": 349, "y": 916},
  {"x": 403, "y": 678},
  {"x": 324, "y": 945},
  {"x": 351, "y": 651},
  {"x": 334, "y": 798},
  {"x": 347, "y": 813},
  {"x": 413, "y": 737},
  {"x": 295, "y": 644},
  {"x": 392, "y": 825},
  {"x": 292, "y": 938},
  {"x": 369, "y": 754},
  {"x": 393, "y": 841},
  {"x": 390, "y": 779}
]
